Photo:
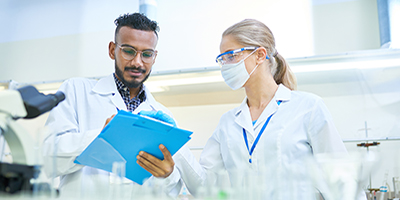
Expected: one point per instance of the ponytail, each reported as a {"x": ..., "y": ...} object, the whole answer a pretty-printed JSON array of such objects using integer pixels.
[{"x": 283, "y": 74}]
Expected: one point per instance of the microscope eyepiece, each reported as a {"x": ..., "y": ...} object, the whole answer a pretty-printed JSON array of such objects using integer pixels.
[{"x": 37, "y": 103}]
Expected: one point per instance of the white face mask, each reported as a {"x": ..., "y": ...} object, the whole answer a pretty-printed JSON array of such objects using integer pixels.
[{"x": 236, "y": 75}]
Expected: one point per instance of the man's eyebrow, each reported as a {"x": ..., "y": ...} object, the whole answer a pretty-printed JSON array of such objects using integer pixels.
[{"x": 127, "y": 45}]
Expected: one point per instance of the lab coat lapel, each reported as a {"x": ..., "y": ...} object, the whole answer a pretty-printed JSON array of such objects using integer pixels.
[
  {"x": 106, "y": 87},
  {"x": 283, "y": 94},
  {"x": 271, "y": 108},
  {"x": 118, "y": 101},
  {"x": 243, "y": 118},
  {"x": 149, "y": 104},
  {"x": 144, "y": 106}
]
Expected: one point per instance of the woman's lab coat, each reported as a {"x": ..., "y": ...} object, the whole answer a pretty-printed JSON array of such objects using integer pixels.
[
  {"x": 77, "y": 121},
  {"x": 301, "y": 126}
]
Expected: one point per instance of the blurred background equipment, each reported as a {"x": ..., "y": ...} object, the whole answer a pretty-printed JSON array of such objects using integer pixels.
[{"x": 26, "y": 102}]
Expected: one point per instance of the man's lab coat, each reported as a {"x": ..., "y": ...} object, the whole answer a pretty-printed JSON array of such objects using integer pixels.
[{"x": 77, "y": 121}]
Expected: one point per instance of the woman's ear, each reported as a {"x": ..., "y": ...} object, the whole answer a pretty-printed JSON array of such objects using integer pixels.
[{"x": 261, "y": 54}]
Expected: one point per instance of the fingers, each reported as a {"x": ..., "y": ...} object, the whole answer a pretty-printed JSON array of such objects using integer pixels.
[
  {"x": 148, "y": 113},
  {"x": 166, "y": 153},
  {"x": 108, "y": 120},
  {"x": 153, "y": 165},
  {"x": 149, "y": 166},
  {"x": 157, "y": 167},
  {"x": 153, "y": 114},
  {"x": 166, "y": 118},
  {"x": 159, "y": 115}
]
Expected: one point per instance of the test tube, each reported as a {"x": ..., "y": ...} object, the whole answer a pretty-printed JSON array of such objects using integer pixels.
[
  {"x": 223, "y": 185},
  {"x": 52, "y": 151},
  {"x": 118, "y": 173},
  {"x": 396, "y": 187}
]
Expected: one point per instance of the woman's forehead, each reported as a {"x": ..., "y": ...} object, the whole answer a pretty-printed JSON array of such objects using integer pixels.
[{"x": 229, "y": 43}]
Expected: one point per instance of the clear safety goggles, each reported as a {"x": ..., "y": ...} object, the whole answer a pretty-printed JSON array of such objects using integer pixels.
[{"x": 231, "y": 57}]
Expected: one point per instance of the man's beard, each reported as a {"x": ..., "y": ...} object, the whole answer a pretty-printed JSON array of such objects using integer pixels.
[{"x": 133, "y": 83}]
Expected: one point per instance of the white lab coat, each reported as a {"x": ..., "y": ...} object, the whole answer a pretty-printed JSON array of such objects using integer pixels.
[
  {"x": 301, "y": 126},
  {"x": 77, "y": 121}
]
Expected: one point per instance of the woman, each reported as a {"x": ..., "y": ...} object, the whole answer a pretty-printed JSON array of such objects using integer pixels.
[
  {"x": 265, "y": 143},
  {"x": 275, "y": 129}
]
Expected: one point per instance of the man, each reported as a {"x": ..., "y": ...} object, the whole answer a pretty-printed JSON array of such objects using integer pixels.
[{"x": 89, "y": 103}]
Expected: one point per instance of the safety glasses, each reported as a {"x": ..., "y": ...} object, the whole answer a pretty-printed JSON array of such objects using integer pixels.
[
  {"x": 231, "y": 57},
  {"x": 129, "y": 53}
]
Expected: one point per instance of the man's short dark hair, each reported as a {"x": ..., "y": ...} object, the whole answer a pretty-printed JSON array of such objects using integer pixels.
[{"x": 136, "y": 21}]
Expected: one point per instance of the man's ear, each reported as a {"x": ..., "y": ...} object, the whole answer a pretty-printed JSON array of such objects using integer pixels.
[
  {"x": 155, "y": 56},
  {"x": 111, "y": 50}
]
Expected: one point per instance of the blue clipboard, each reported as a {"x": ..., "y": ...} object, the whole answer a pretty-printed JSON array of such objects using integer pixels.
[{"x": 125, "y": 136}]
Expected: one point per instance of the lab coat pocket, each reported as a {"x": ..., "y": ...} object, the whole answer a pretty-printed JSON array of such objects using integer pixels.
[{"x": 234, "y": 150}]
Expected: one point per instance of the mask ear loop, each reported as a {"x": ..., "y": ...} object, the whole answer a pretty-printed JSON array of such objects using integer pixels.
[
  {"x": 254, "y": 69},
  {"x": 256, "y": 65},
  {"x": 248, "y": 55}
]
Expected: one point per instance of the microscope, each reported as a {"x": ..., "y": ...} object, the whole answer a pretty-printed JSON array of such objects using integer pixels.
[{"x": 26, "y": 102}]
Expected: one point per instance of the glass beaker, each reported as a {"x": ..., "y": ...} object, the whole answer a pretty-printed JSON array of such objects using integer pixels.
[{"x": 396, "y": 186}]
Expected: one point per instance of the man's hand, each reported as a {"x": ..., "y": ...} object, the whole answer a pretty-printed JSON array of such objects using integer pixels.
[
  {"x": 159, "y": 115},
  {"x": 158, "y": 168},
  {"x": 108, "y": 120}
]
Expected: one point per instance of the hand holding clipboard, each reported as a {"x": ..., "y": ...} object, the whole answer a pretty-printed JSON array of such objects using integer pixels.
[{"x": 125, "y": 136}]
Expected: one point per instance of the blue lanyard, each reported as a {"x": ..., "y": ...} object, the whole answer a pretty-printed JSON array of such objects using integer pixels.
[{"x": 258, "y": 136}]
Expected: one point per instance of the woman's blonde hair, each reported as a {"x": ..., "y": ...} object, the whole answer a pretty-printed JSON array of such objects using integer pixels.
[{"x": 250, "y": 32}]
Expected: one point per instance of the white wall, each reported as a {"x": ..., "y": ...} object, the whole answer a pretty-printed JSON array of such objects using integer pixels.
[
  {"x": 191, "y": 30},
  {"x": 345, "y": 25},
  {"x": 47, "y": 40}
]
